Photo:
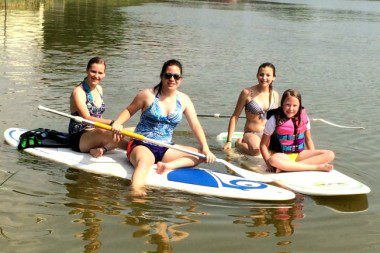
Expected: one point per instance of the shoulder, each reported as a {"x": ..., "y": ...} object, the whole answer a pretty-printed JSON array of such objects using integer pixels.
[
  {"x": 100, "y": 89},
  {"x": 276, "y": 96},
  {"x": 303, "y": 112},
  {"x": 304, "y": 116},
  {"x": 78, "y": 90},
  {"x": 246, "y": 91},
  {"x": 184, "y": 99},
  {"x": 145, "y": 93}
]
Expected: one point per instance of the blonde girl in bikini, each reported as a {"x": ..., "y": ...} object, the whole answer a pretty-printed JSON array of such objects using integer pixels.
[{"x": 255, "y": 101}]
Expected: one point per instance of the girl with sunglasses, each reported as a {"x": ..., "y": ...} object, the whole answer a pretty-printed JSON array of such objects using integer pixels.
[
  {"x": 255, "y": 101},
  {"x": 286, "y": 144},
  {"x": 162, "y": 107},
  {"x": 86, "y": 101}
]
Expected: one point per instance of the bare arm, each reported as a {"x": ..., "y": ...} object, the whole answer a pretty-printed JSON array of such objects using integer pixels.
[
  {"x": 264, "y": 149},
  {"x": 138, "y": 103},
  {"x": 235, "y": 116},
  {"x": 309, "y": 141},
  {"x": 197, "y": 129}
]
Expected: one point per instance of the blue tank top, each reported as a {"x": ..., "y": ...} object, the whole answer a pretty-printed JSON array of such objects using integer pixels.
[
  {"x": 154, "y": 125},
  {"x": 75, "y": 127}
]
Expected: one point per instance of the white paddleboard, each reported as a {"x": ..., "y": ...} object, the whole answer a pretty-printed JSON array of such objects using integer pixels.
[
  {"x": 192, "y": 180},
  {"x": 314, "y": 183}
]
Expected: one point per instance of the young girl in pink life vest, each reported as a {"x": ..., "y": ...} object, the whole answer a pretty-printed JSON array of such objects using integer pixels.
[{"x": 286, "y": 144}]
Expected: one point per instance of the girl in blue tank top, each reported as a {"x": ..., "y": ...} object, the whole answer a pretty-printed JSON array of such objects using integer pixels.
[
  {"x": 155, "y": 125},
  {"x": 162, "y": 108}
]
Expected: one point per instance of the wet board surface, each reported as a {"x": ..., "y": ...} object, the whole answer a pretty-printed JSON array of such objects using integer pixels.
[
  {"x": 192, "y": 180},
  {"x": 314, "y": 183}
]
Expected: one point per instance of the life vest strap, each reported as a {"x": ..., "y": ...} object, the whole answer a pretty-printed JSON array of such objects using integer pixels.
[
  {"x": 293, "y": 148},
  {"x": 291, "y": 136}
]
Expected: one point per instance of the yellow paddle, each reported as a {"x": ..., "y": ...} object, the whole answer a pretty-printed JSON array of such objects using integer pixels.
[{"x": 242, "y": 172}]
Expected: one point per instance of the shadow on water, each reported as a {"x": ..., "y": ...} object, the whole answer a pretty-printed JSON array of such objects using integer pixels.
[{"x": 344, "y": 204}]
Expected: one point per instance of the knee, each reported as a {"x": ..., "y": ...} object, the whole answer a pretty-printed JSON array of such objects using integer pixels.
[
  {"x": 102, "y": 131},
  {"x": 330, "y": 155},
  {"x": 274, "y": 162},
  {"x": 254, "y": 151}
]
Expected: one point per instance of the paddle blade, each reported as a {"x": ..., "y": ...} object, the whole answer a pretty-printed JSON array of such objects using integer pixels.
[{"x": 246, "y": 173}]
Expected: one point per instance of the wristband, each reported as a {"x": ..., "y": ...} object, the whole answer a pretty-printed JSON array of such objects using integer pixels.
[{"x": 112, "y": 121}]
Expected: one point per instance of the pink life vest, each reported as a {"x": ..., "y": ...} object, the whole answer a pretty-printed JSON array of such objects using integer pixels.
[{"x": 290, "y": 139}]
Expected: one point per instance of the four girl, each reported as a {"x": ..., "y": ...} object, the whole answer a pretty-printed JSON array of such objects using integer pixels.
[{"x": 285, "y": 142}]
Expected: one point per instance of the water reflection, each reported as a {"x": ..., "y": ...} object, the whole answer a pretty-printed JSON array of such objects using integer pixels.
[
  {"x": 160, "y": 231},
  {"x": 155, "y": 218},
  {"x": 281, "y": 216}
]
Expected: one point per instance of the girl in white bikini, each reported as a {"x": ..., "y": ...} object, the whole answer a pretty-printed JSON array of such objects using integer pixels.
[{"x": 256, "y": 101}]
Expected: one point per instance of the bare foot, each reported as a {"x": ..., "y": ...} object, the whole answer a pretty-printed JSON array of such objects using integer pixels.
[
  {"x": 160, "y": 167},
  {"x": 97, "y": 152},
  {"x": 138, "y": 192},
  {"x": 326, "y": 167}
]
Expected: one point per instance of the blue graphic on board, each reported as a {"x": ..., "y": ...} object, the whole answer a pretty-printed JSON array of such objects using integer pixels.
[{"x": 205, "y": 178}]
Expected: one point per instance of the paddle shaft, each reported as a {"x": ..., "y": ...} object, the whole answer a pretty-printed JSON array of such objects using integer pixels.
[
  {"x": 244, "y": 173},
  {"x": 123, "y": 132},
  {"x": 217, "y": 115}
]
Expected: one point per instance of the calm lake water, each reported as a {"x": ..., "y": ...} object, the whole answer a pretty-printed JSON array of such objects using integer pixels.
[{"x": 327, "y": 49}]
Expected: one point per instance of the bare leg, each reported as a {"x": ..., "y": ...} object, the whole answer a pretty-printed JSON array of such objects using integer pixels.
[
  {"x": 250, "y": 144},
  {"x": 174, "y": 159},
  {"x": 283, "y": 163},
  {"x": 142, "y": 159},
  {"x": 316, "y": 156},
  {"x": 93, "y": 142}
]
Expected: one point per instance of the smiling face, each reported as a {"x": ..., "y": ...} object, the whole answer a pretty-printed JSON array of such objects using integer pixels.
[
  {"x": 265, "y": 76},
  {"x": 172, "y": 77},
  {"x": 95, "y": 73},
  {"x": 291, "y": 105}
]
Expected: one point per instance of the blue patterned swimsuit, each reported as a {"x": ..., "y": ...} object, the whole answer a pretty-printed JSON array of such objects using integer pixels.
[{"x": 154, "y": 125}]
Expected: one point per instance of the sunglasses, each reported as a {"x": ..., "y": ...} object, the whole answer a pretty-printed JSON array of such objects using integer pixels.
[{"x": 170, "y": 75}]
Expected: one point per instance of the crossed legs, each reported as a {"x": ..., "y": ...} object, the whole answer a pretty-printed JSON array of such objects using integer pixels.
[{"x": 306, "y": 160}]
